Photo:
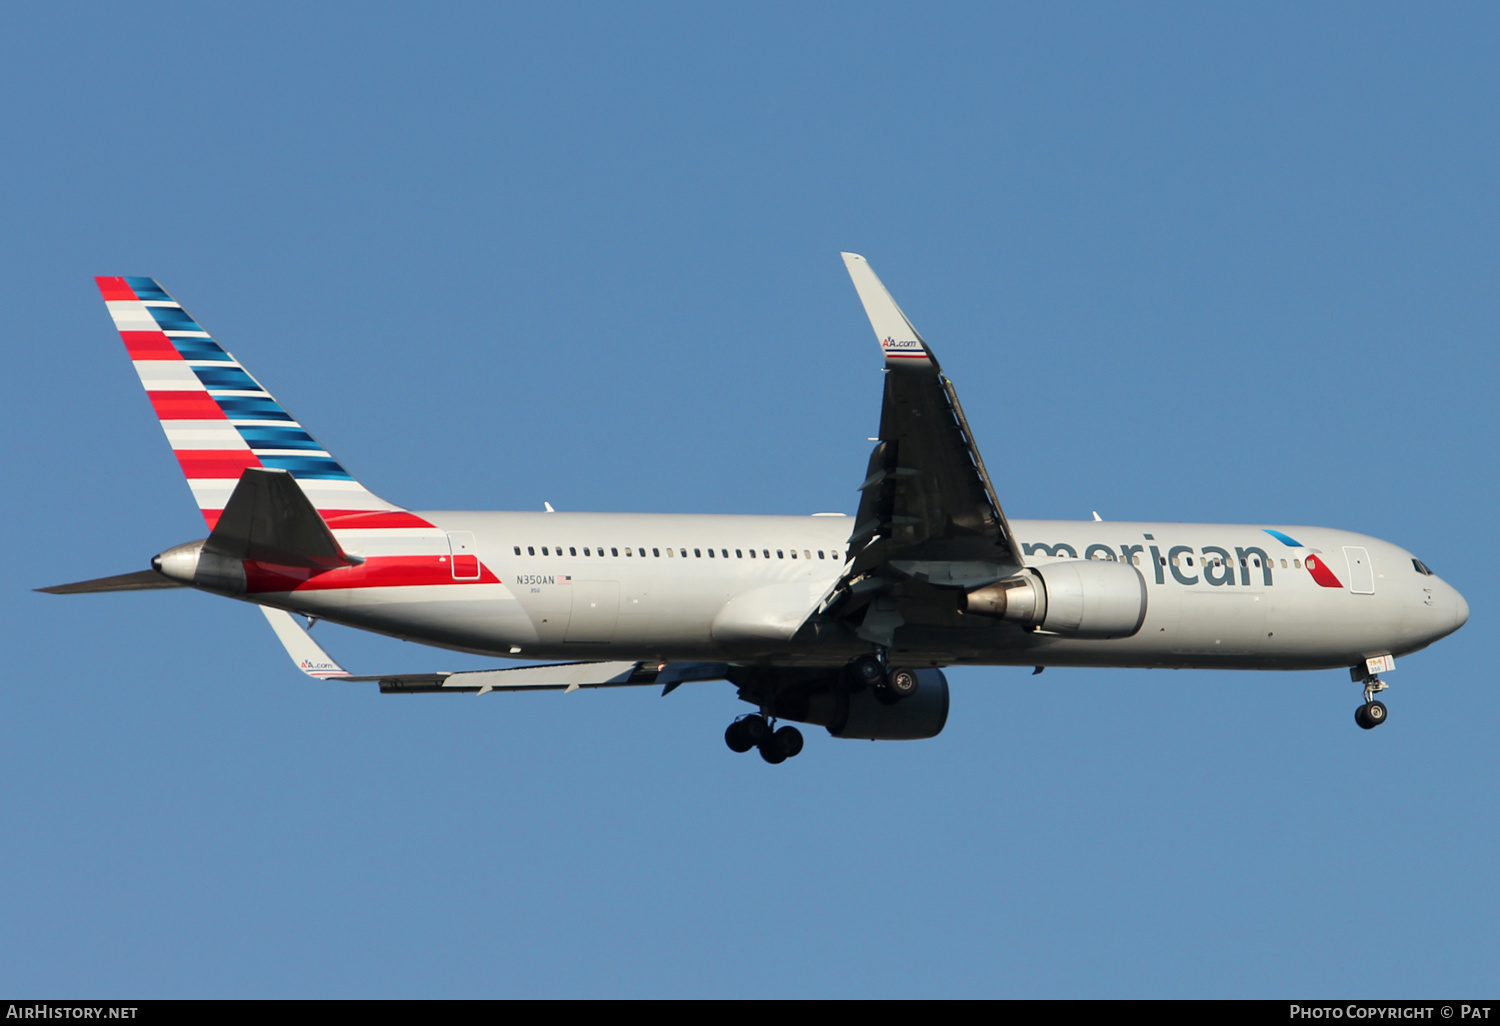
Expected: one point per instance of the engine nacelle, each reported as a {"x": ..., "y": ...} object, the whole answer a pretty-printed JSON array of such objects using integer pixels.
[
  {"x": 1077, "y": 598},
  {"x": 850, "y": 711}
]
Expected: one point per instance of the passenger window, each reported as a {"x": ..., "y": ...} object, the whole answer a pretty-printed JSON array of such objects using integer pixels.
[
  {"x": 656, "y": 552},
  {"x": 710, "y": 553},
  {"x": 572, "y": 551},
  {"x": 530, "y": 551},
  {"x": 820, "y": 553},
  {"x": 670, "y": 554},
  {"x": 779, "y": 555},
  {"x": 1136, "y": 560},
  {"x": 806, "y": 554},
  {"x": 1163, "y": 560},
  {"x": 698, "y": 553},
  {"x": 1283, "y": 564},
  {"x": 518, "y": 550},
  {"x": 794, "y": 553},
  {"x": 724, "y": 553},
  {"x": 752, "y": 553},
  {"x": 1257, "y": 563},
  {"x": 544, "y": 550},
  {"x": 766, "y": 553},
  {"x": 627, "y": 550},
  {"x": 1297, "y": 563},
  {"x": 739, "y": 554},
  {"x": 682, "y": 553},
  {"x": 614, "y": 551}
]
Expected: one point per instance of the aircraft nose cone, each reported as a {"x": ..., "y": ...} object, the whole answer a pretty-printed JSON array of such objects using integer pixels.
[{"x": 1460, "y": 610}]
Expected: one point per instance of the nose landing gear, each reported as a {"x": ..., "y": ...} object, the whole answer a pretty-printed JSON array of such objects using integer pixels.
[
  {"x": 1372, "y": 713},
  {"x": 776, "y": 745}
]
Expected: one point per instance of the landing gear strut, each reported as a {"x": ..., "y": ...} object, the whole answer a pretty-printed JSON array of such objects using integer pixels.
[
  {"x": 1372, "y": 713},
  {"x": 754, "y": 731}
]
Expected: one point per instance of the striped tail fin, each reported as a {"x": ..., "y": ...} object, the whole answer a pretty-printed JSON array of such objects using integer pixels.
[{"x": 217, "y": 418}]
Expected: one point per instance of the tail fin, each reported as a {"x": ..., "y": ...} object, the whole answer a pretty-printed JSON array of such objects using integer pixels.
[{"x": 217, "y": 418}]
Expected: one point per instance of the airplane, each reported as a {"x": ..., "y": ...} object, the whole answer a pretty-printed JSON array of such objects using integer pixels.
[{"x": 844, "y": 623}]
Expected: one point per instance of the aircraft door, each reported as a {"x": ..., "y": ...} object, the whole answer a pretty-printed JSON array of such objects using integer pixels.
[
  {"x": 463, "y": 557},
  {"x": 596, "y": 609},
  {"x": 1361, "y": 575}
]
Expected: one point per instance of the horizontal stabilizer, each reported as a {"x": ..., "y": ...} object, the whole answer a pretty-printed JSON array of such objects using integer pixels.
[
  {"x": 269, "y": 519},
  {"x": 141, "y": 580}
]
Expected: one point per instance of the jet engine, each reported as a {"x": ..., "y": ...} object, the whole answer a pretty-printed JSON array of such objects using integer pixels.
[
  {"x": 1077, "y": 598},
  {"x": 848, "y": 710}
]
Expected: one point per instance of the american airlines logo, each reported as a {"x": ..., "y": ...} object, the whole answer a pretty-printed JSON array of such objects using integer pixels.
[
  {"x": 891, "y": 343},
  {"x": 1219, "y": 567}
]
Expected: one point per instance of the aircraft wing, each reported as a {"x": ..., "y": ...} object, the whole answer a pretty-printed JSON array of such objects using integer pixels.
[
  {"x": 928, "y": 511},
  {"x": 313, "y": 661}
]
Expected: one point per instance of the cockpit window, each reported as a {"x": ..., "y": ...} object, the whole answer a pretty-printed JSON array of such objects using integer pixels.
[{"x": 1422, "y": 567}]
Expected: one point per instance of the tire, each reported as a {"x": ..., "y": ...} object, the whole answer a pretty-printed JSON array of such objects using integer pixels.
[
  {"x": 772, "y": 751},
  {"x": 754, "y": 729},
  {"x": 901, "y": 682},
  {"x": 735, "y": 738},
  {"x": 1362, "y": 718},
  {"x": 790, "y": 739},
  {"x": 866, "y": 672},
  {"x": 1375, "y": 713}
]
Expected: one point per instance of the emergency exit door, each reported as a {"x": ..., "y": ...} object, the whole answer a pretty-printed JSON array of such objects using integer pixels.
[{"x": 463, "y": 556}]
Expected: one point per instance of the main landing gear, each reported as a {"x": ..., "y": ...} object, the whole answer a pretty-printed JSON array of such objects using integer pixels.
[
  {"x": 890, "y": 685},
  {"x": 1372, "y": 713},
  {"x": 754, "y": 731}
]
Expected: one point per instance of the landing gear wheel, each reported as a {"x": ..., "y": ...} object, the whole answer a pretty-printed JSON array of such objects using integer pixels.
[
  {"x": 866, "y": 672},
  {"x": 734, "y": 737},
  {"x": 772, "y": 750},
  {"x": 790, "y": 739},
  {"x": 1370, "y": 715},
  {"x": 744, "y": 734},
  {"x": 902, "y": 683}
]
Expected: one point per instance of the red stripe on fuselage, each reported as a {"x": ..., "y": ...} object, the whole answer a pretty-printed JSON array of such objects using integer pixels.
[
  {"x": 375, "y": 572},
  {"x": 149, "y": 345},
  {"x": 114, "y": 288},
  {"x": 185, "y": 406},
  {"x": 223, "y": 464},
  {"x": 363, "y": 519}
]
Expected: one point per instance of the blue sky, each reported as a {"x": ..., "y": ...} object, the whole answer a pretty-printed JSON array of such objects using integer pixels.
[{"x": 1184, "y": 262}]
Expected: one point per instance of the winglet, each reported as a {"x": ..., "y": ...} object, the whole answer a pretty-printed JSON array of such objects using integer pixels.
[
  {"x": 903, "y": 346},
  {"x": 305, "y": 652}
]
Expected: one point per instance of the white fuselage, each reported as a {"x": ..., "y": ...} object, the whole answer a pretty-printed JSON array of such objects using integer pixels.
[{"x": 685, "y": 587}]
